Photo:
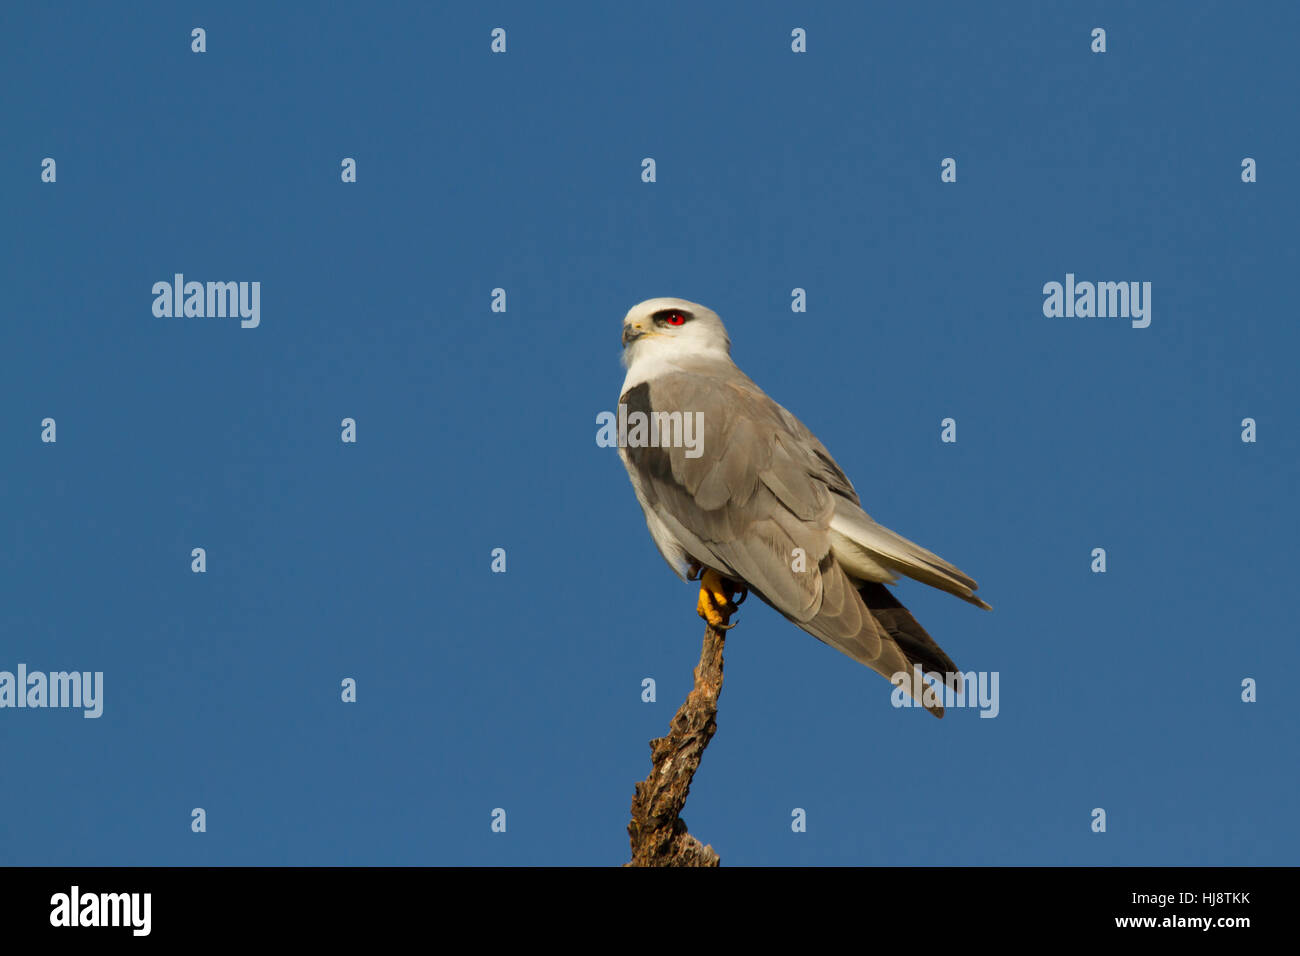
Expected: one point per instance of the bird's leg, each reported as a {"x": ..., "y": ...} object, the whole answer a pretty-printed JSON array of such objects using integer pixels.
[{"x": 715, "y": 604}]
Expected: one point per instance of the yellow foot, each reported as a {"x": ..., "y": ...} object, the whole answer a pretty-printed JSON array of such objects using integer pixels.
[{"x": 715, "y": 604}]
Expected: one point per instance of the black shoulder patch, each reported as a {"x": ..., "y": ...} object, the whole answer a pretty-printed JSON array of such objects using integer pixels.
[
  {"x": 637, "y": 398},
  {"x": 654, "y": 461}
]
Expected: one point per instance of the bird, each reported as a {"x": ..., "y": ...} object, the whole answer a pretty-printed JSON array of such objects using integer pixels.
[{"x": 754, "y": 503}]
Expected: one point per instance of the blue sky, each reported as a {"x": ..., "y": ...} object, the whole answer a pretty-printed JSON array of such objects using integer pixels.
[{"x": 476, "y": 430}]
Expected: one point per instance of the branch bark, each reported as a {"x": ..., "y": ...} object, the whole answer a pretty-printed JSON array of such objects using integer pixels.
[{"x": 657, "y": 831}]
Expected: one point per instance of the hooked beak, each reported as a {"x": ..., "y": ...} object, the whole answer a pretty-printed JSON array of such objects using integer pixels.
[{"x": 631, "y": 333}]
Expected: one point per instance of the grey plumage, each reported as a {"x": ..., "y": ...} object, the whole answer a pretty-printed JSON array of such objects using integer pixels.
[{"x": 763, "y": 487}]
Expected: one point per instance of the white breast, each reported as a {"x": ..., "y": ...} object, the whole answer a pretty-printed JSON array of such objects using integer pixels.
[
  {"x": 650, "y": 360},
  {"x": 653, "y": 357}
]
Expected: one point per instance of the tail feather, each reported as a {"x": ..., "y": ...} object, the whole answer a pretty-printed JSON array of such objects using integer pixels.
[
  {"x": 911, "y": 639},
  {"x": 869, "y": 548},
  {"x": 865, "y": 621}
]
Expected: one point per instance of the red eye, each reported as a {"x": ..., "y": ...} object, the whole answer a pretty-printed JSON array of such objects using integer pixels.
[{"x": 675, "y": 318}]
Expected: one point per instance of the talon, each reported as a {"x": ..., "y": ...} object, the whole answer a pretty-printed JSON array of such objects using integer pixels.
[
  {"x": 693, "y": 570},
  {"x": 741, "y": 595},
  {"x": 715, "y": 604}
]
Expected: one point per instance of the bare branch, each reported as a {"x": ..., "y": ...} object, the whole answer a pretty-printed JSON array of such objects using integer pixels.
[{"x": 657, "y": 831}]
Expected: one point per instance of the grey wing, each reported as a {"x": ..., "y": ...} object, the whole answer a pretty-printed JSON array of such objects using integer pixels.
[{"x": 756, "y": 503}]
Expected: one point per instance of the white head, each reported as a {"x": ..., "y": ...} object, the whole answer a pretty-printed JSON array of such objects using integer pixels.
[{"x": 668, "y": 330}]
